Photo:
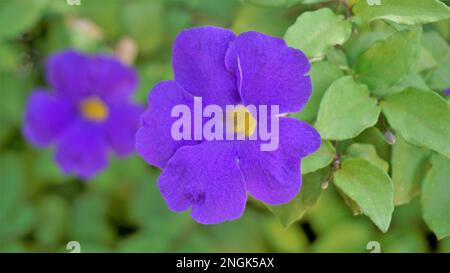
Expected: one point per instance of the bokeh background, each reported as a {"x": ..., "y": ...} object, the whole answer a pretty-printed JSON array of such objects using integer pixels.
[{"x": 121, "y": 210}]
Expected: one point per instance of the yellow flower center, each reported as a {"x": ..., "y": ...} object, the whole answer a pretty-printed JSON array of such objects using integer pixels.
[
  {"x": 94, "y": 109},
  {"x": 244, "y": 122}
]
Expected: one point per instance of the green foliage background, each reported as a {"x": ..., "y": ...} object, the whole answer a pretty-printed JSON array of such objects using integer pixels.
[{"x": 382, "y": 173}]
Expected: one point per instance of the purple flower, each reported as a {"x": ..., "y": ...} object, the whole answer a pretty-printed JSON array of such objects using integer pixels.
[
  {"x": 89, "y": 111},
  {"x": 447, "y": 92},
  {"x": 213, "y": 177}
]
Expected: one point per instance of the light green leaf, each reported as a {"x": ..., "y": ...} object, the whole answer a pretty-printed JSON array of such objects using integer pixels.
[
  {"x": 369, "y": 187},
  {"x": 387, "y": 62},
  {"x": 403, "y": 11},
  {"x": 323, "y": 74},
  {"x": 408, "y": 169},
  {"x": 320, "y": 159},
  {"x": 436, "y": 197},
  {"x": 308, "y": 196},
  {"x": 316, "y": 31},
  {"x": 423, "y": 118},
  {"x": 346, "y": 110},
  {"x": 367, "y": 152}
]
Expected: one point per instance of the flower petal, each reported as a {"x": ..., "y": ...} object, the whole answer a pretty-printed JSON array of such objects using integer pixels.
[
  {"x": 82, "y": 150},
  {"x": 121, "y": 127},
  {"x": 154, "y": 141},
  {"x": 110, "y": 79},
  {"x": 269, "y": 72},
  {"x": 199, "y": 64},
  {"x": 205, "y": 177},
  {"x": 46, "y": 117},
  {"x": 274, "y": 176},
  {"x": 67, "y": 72}
]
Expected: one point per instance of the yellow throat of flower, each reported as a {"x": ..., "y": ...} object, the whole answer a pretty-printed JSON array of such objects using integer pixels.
[
  {"x": 94, "y": 109},
  {"x": 244, "y": 122}
]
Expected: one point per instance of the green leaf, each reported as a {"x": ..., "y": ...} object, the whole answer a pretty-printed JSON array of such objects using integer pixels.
[
  {"x": 359, "y": 43},
  {"x": 320, "y": 159},
  {"x": 436, "y": 197},
  {"x": 387, "y": 62},
  {"x": 367, "y": 152},
  {"x": 344, "y": 237},
  {"x": 369, "y": 187},
  {"x": 12, "y": 186},
  {"x": 423, "y": 118},
  {"x": 346, "y": 110},
  {"x": 408, "y": 169},
  {"x": 316, "y": 31},
  {"x": 403, "y": 11},
  {"x": 308, "y": 196},
  {"x": 255, "y": 17},
  {"x": 143, "y": 21},
  {"x": 323, "y": 74},
  {"x": 53, "y": 218},
  {"x": 29, "y": 13},
  {"x": 282, "y": 239},
  {"x": 374, "y": 137}
]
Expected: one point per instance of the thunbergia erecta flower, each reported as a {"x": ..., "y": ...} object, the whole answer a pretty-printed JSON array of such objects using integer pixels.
[
  {"x": 212, "y": 177},
  {"x": 88, "y": 112}
]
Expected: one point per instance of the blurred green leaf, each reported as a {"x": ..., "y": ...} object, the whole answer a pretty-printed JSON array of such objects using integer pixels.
[
  {"x": 423, "y": 118},
  {"x": 282, "y": 239},
  {"x": 251, "y": 17},
  {"x": 89, "y": 224},
  {"x": 346, "y": 110},
  {"x": 403, "y": 11},
  {"x": 53, "y": 217},
  {"x": 350, "y": 236},
  {"x": 316, "y": 31},
  {"x": 436, "y": 197},
  {"x": 387, "y": 62},
  {"x": 143, "y": 20},
  {"x": 29, "y": 13},
  {"x": 369, "y": 187}
]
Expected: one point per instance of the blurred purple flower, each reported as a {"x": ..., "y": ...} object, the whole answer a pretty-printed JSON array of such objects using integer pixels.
[
  {"x": 89, "y": 111},
  {"x": 447, "y": 92},
  {"x": 213, "y": 177}
]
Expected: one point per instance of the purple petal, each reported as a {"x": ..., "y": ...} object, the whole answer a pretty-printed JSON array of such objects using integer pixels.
[
  {"x": 82, "y": 150},
  {"x": 154, "y": 140},
  {"x": 447, "y": 92},
  {"x": 67, "y": 72},
  {"x": 205, "y": 177},
  {"x": 46, "y": 117},
  {"x": 269, "y": 72},
  {"x": 274, "y": 177},
  {"x": 199, "y": 64},
  {"x": 121, "y": 127},
  {"x": 110, "y": 79}
]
